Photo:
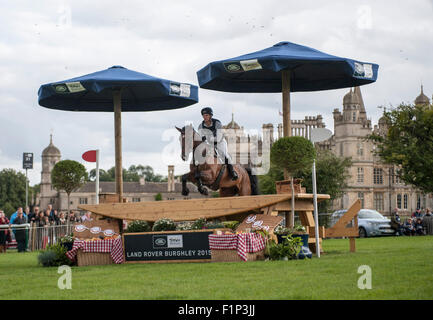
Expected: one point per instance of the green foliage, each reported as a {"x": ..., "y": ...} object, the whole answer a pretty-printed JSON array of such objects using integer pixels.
[
  {"x": 158, "y": 197},
  {"x": 184, "y": 226},
  {"x": 164, "y": 225},
  {"x": 331, "y": 177},
  {"x": 293, "y": 154},
  {"x": 214, "y": 225},
  {"x": 198, "y": 224},
  {"x": 231, "y": 224},
  {"x": 12, "y": 190},
  {"x": 138, "y": 226},
  {"x": 133, "y": 174},
  {"x": 289, "y": 249},
  {"x": 54, "y": 256},
  {"x": 68, "y": 175},
  {"x": 408, "y": 144}
]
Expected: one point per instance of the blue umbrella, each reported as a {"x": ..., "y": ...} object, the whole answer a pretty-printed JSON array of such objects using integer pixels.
[
  {"x": 285, "y": 67},
  {"x": 117, "y": 89}
]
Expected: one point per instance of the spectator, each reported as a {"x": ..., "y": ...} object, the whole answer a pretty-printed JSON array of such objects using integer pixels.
[
  {"x": 56, "y": 217},
  {"x": 3, "y": 232},
  {"x": 427, "y": 222},
  {"x": 418, "y": 227},
  {"x": 33, "y": 216},
  {"x": 51, "y": 212},
  {"x": 62, "y": 219},
  {"x": 48, "y": 214},
  {"x": 71, "y": 217},
  {"x": 396, "y": 223},
  {"x": 417, "y": 214},
  {"x": 40, "y": 222},
  {"x": 15, "y": 214},
  {"x": 409, "y": 228},
  {"x": 86, "y": 217},
  {"x": 20, "y": 234}
]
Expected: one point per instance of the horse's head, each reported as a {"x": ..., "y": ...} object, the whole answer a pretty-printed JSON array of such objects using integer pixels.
[{"x": 187, "y": 139}]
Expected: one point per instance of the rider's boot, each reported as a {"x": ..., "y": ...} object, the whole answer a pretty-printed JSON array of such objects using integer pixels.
[{"x": 232, "y": 172}]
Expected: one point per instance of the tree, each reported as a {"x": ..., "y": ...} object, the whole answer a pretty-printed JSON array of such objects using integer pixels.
[
  {"x": 68, "y": 175},
  {"x": 133, "y": 174},
  {"x": 407, "y": 142},
  {"x": 292, "y": 154},
  {"x": 12, "y": 190}
]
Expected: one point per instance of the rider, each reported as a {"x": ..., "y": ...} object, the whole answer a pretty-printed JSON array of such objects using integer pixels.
[{"x": 215, "y": 126}]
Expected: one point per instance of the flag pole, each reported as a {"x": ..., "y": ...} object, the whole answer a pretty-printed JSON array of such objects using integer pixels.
[{"x": 97, "y": 176}]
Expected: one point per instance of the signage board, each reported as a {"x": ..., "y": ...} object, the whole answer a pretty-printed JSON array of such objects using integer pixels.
[
  {"x": 27, "y": 160},
  {"x": 167, "y": 246}
]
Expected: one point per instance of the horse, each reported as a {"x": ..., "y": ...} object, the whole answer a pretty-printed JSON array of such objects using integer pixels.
[{"x": 211, "y": 172}]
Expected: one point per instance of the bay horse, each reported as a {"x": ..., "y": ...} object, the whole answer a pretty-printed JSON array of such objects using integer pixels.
[{"x": 211, "y": 172}]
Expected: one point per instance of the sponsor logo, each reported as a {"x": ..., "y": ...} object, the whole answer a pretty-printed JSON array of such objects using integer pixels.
[
  {"x": 233, "y": 67},
  {"x": 61, "y": 88},
  {"x": 249, "y": 65},
  {"x": 175, "y": 89},
  {"x": 160, "y": 242}
]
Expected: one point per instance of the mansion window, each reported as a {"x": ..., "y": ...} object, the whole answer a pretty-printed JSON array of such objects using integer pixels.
[
  {"x": 360, "y": 149},
  {"x": 405, "y": 201},
  {"x": 399, "y": 201},
  {"x": 83, "y": 200},
  {"x": 361, "y": 197},
  {"x": 136, "y": 200},
  {"x": 360, "y": 175},
  {"x": 378, "y": 201},
  {"x": 377, "y": 176},
  {"x": 354, "y": 117}
]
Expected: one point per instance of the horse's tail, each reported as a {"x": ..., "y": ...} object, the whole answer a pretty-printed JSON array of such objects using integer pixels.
[{"x": 254, "y": 182}]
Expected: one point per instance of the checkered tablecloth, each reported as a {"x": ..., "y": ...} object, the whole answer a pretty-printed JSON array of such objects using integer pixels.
[
  {"x": 243, "y": 242},
  {"x": 113, "y": 246}
]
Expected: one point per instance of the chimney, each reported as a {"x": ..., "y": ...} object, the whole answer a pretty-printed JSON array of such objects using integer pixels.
[{"x": 170, "y": 179}]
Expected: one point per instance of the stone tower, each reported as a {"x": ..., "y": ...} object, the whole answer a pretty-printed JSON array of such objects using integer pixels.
[{"x": 50, "y": 156}]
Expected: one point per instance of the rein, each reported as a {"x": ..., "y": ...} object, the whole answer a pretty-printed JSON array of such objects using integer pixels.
[{"x": 215, "y": 185}]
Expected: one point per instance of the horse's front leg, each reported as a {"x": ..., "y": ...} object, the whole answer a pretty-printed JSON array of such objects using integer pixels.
[
  {"x": 185, "y": 190},
  {"x": 203, "y": 190}
]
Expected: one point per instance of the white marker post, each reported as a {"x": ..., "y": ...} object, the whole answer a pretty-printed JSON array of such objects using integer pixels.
[{"x": 317, "y": 135}]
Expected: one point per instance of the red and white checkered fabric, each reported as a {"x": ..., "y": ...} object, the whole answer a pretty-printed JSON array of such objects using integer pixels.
[
  {"x": 244, "y": 243},
  {"x": 114, "y": 246}
]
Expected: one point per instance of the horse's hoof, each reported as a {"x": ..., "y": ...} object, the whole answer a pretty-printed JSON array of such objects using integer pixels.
[
  {"x": 185, "y": 192},
  {"x": 203, "y": 191}
]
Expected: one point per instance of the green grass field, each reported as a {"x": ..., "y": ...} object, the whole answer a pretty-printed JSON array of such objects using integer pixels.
[{"x": 402, "y": 268}]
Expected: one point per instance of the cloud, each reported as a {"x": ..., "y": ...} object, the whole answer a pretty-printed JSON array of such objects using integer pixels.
[{"x": 51, "y": 40}]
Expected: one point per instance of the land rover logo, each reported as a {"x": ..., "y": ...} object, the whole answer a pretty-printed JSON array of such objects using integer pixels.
[
  {"x": 233, "y": 67},
  {"x": 61, "y": 88},
  {"x": 160, "y": 242}
]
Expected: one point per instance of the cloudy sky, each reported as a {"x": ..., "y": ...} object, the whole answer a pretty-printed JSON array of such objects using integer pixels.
[{"x": 52, "y": 40}]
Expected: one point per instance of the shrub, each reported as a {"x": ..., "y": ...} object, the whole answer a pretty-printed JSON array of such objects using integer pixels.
[
  {"x": 184, "y": 226},
  {"x": 158, "y": 197},
  {"x": 289, "y": 249},
  {"x": 199, "y": 224},
  {"x": 214, "y": 225},
  {"x": 138, "y": 226},
  {"x": 230, "y": 224},
  {"x": 164, "y": 225},
  {"x": 54, "y": 256}
]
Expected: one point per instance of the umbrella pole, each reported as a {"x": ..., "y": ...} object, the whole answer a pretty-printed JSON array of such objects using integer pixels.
[
  {"x": 118, "y": 142},
  {"x": 287, "y": 132}
]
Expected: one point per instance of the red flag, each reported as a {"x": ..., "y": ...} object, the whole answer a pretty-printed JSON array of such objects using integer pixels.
[{"x": 89, "y": 156}]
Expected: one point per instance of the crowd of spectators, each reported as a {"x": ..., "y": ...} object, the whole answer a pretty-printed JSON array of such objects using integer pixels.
[{"x": 419, "y": 223}]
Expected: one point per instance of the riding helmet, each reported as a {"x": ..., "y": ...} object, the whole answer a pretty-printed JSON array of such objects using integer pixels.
[{"x": 207, "y": 110}]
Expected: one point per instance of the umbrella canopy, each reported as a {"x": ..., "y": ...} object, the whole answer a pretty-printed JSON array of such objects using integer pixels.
[
  {"x": 310, "y": 70},
  {"x": 117, "y": 89},
  {"x": 94, "y": 92}
]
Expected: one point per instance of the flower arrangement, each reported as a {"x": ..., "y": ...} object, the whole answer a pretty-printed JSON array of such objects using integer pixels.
[
  {"x": 184, "y": 226},
  {"x": 138, "y": 226},
  {"x": 164, "y": 225}
]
